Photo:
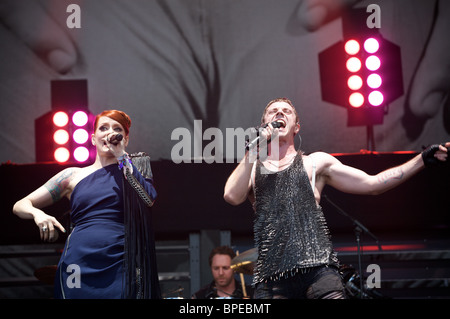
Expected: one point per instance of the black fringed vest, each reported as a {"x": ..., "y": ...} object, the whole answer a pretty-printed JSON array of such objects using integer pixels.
[{"x": 290, "y": 230}]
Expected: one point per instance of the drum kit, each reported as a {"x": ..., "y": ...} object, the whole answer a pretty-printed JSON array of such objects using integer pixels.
[
  {"x": 242, "y": 264},
  {"x": 245, "y": 263}
]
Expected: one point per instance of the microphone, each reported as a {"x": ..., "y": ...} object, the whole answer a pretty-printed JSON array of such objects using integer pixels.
[
  {"x": 115, "y": 139},
  {"x": 275, "y": 124},
  {"x": 255, "y": 141}
]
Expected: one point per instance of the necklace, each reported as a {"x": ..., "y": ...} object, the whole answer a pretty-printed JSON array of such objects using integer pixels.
[{"x": 278, "y": 165}]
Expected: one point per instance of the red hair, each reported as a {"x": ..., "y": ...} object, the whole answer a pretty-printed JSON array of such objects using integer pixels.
[{"x": 116, "y": 115}]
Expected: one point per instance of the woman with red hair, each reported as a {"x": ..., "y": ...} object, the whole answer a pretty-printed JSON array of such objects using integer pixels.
[{"x": 110, "y": 251}]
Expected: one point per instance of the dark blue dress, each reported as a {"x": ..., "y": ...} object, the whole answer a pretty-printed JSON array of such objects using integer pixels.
[{"x": 91, "y": 265}]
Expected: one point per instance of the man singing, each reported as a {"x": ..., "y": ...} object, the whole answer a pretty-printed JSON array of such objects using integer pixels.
[{"x": 295, "y": 254}]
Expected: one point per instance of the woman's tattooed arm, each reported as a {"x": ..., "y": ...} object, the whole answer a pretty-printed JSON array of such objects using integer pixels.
[{"x": 57, "y": 186}]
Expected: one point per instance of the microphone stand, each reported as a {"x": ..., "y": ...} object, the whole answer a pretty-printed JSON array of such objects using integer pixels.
[{"x": 359, "y": 229}]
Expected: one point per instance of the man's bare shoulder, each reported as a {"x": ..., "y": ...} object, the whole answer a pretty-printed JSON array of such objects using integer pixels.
[
  {"x": 323, "y": 161},
  {"x": 321, "y": 157}
]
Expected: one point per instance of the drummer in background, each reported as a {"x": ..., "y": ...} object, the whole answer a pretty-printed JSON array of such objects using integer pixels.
[{"x": 224, "y": 284}]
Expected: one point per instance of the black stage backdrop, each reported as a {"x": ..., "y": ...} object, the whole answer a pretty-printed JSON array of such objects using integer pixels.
[{"x": 190, "y": 199}]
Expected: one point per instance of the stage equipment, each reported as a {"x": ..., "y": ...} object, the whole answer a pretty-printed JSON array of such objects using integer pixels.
[
  {"x": 362, "y": 72},
  {"x": 241, "y": 277},
  {"x": 245, "y": 262},
  {"x": 63, "y": 134},
  {"x": 46, "y": 274}
]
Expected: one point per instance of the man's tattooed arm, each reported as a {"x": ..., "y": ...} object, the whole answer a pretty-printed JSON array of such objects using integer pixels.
[
  {"x": 395, "y": 173},
  {"x": 395, "y": 176}
]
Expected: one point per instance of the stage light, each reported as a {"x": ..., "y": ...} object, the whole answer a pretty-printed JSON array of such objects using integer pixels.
[
  {"x": 376, "y": 98},
  {"x": 61, "y": 155},
  {"x": 81, "y": 154},
  {"x": 353, "y": 64},
  {"x": 80, "y": 118},
  {"x": 72, "y": 135},
  {"x": 80, "y": 136},
  {"x": 356, "y": 100},
  {"x": 371, "y": 45},
  {"x": 352, "y": 47},
  {"x": 60, "y": 119},
  {"x": 362, "y": 54},
  {"x": 61, "y": 137},
  {"x": 355, "y": 82},
  {"x": 61, "y": 132},
  {"x": 373, "y": 63},
  {"x": 374, "y": 81}
]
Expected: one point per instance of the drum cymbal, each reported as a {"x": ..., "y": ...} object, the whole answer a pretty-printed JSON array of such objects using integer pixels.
[
  {"x": 245, "y": 262},
  {"x": 46, "y": 274}
]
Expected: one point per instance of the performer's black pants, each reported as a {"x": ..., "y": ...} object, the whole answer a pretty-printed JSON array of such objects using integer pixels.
[{"x": 313, "y": 283}]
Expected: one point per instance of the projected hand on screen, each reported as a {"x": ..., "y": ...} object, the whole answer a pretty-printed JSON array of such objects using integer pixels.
[
  {"x": 33, "y": 23},
  {"x": 430, "y": 86}
]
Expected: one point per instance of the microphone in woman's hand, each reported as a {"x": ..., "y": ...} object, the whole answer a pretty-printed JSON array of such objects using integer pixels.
[{"x": 115, "y": 139}]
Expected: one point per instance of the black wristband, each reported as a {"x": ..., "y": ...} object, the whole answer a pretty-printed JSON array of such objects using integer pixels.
[{"x": 428, "y": 156}]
